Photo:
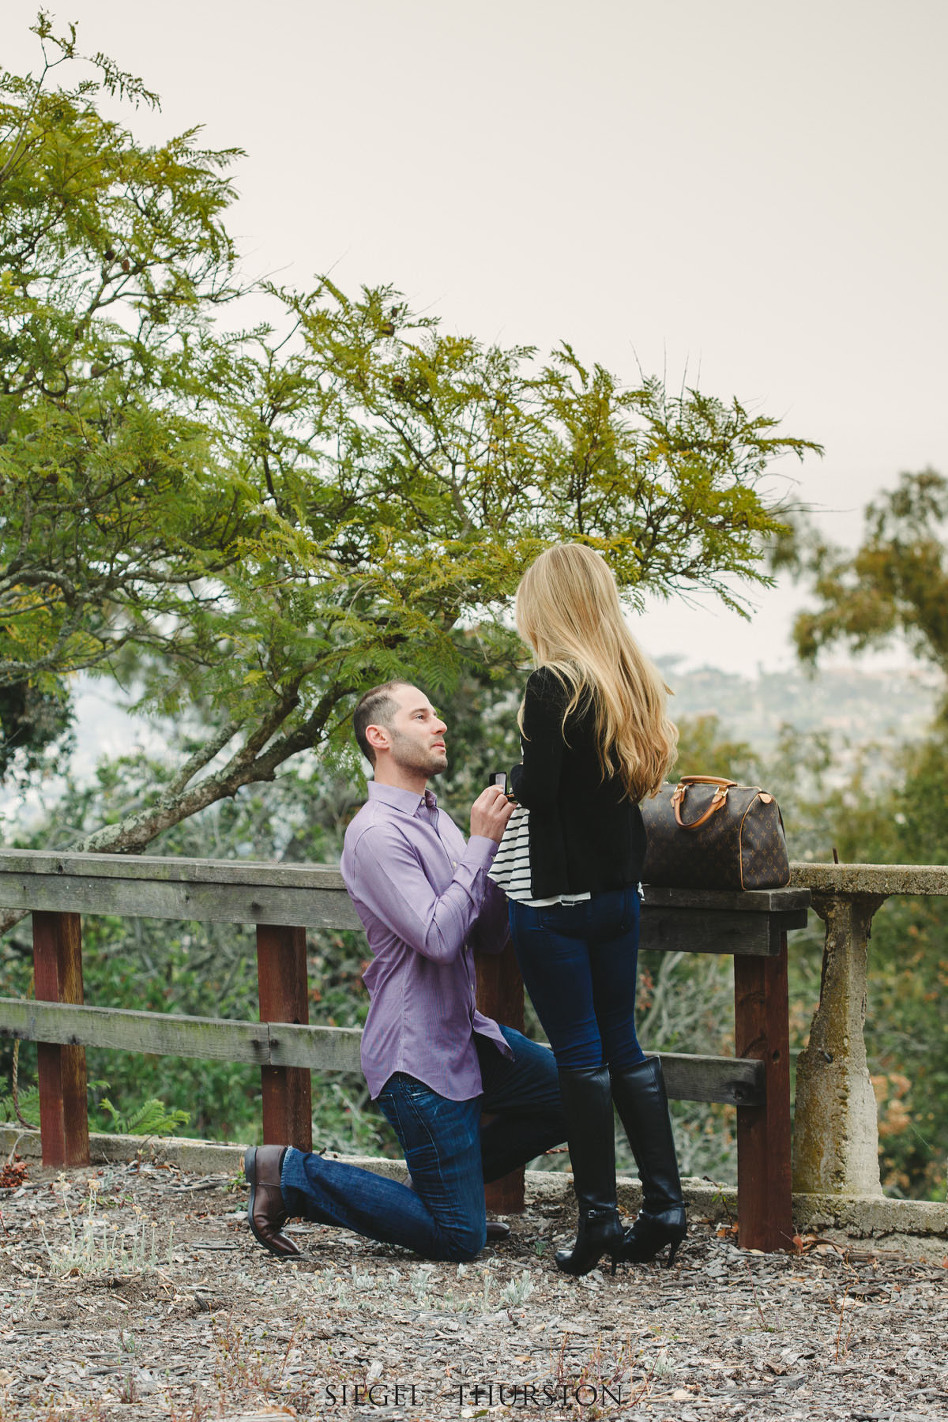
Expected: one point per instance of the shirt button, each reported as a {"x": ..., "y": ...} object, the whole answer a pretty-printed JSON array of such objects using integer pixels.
[{"x": 454, "y": 863}]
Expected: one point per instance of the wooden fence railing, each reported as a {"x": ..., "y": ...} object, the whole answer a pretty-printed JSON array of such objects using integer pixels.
[{"x": 283, "y": 900}]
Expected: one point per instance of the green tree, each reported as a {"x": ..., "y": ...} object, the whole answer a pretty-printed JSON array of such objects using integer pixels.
[
  {"x": 34, "y": 725},
  {"x": 895, "y": 582},
  {"x": 893, "y": 809},
  {"x": 254, "y": 526},
  {"x": 111, "y": 257}
]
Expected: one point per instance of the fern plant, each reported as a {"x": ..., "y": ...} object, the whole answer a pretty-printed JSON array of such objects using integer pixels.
[
  {"x": 28, "y": 1101},
  {"x": 152, "y": 1118}
]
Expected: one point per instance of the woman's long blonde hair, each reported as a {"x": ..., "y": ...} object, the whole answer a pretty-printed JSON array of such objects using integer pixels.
[{"x": 569, "y": 614}]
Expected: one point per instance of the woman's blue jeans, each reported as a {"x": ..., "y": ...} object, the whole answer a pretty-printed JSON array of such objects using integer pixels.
[
  {"x": 579, "y": 962},
  {"x": 449, "y": 1154}
]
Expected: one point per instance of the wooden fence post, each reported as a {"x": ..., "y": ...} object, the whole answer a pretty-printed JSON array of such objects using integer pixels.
[
  {"x": 61, "y": 1070},
  {"x": 284, "y": 997},
  {"x": 761, "y": 1030},
  {"x": 500, "y": 995}
]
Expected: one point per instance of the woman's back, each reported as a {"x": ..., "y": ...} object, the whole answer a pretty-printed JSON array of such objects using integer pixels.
[
  {"x": 586, "y": 834},
  {"x": 596, "y": 740}
]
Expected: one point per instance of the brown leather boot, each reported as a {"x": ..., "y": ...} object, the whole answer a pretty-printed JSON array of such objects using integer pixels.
[{"x": 266, "y": 1209}]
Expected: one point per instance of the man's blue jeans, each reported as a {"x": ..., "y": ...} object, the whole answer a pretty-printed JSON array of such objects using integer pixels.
[
  {"x": 579, "y": 963},
  {"x": 448, "y": 1153}
]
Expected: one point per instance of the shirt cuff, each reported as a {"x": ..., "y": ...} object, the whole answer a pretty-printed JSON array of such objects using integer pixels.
[{"x": 481, "y": 850}]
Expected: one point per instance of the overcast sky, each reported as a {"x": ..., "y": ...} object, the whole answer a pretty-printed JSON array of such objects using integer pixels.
[{"x": 749, "y": 194}]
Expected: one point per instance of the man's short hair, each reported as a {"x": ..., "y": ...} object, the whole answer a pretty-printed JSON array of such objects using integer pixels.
[{"x": 376, "y": 708}]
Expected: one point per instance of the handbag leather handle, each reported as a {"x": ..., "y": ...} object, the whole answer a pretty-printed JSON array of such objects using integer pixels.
[
  {"x": 718, "y": 799},
  {"x": 705, "y": 780}
]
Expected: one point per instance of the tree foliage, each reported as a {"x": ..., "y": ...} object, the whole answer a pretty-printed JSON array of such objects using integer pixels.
[
  {"x": 33, "y": 724},
  {"x": 895, "y": 582},
  {"x": 893, "y": 808},
  {"x": 254, "y": 526},
  {"x": 112, "y": 255}
]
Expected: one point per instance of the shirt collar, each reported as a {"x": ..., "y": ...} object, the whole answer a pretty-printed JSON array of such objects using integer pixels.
[{"x": 405, "y": 800}]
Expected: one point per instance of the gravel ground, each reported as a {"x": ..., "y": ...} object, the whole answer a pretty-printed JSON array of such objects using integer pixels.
[{"x": 136, "y": 1292}]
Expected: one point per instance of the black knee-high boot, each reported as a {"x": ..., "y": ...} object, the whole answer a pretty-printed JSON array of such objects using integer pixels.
[
  {"x": 587, "y": 1104},
  {"x": 639, "y": 1094}
]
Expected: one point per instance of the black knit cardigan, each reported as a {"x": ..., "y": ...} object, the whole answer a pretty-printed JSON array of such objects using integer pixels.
[{"x": 584, "y": 836}]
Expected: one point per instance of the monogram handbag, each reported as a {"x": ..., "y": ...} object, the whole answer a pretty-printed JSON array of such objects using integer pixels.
[{"x": 707, "y": 833}]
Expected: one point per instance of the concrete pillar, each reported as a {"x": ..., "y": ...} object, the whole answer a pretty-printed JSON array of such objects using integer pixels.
[{"x": 836, "y": 1132}]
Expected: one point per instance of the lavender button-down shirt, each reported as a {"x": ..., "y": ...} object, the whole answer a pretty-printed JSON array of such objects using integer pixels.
[{"x": 425, "y": 900}]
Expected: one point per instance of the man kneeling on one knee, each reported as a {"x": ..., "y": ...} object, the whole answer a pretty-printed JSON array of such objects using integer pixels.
[{"x": 431, "y": 1060}]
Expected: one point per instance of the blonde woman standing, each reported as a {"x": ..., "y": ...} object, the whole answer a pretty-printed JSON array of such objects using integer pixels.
[{"x": 596, "y": 740}]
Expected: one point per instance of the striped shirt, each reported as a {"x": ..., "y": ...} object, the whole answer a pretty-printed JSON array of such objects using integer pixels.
[{"x": 510, "y": 870}]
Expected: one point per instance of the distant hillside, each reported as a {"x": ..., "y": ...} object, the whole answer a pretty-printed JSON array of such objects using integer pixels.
[{"x": 855, "y": 706}]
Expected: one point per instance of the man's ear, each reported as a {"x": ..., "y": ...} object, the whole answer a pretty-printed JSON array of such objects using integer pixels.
[{"x": 378, "y": 737}]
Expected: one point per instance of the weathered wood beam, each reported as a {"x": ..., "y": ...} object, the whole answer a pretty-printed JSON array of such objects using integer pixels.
[
  {"x": 142, "y": 886},
  {"x": 168, "y": 1034},
  {"x": 713, "y": 930},
  {"x": 284, "y": 998},
  {"x": 732, "y": 1081},
  {"x": 170, "y": 869},
  {"x": 284, "y": 905},
  {"x": 175, "y": 869},
  {"x": 761, "y": 1031},
  {"x": 500, "y": 996},
  {"x": 60, "y": 1069},
  {"x": 666, "y": 929},
  {"x": 748, "y": 901},
  {"x": 725, "y": 1079}
]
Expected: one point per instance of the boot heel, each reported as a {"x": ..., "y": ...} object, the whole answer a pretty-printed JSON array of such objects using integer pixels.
[
  {"x": 649, "y": 1236},
  {"x": 642, "y": 1102},
  {"x": 599, "y": 1233},
  {"x": 590, "y": 1131}
]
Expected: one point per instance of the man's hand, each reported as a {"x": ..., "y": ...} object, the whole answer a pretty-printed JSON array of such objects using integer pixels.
[{"x": 490, "y": 813}]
